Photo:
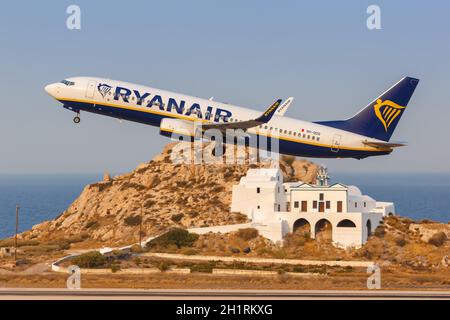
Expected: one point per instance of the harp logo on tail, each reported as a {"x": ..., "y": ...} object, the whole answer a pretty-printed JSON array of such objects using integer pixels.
[
  {"x": 104, "y": 89},
  {"x": 387, "y": 111}
]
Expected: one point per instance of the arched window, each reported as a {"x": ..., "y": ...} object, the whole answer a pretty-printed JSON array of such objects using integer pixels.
[{"x": 346, "y": 224}]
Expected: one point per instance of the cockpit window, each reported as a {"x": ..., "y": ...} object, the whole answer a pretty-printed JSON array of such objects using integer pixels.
[{"x": 68, "y": 83}]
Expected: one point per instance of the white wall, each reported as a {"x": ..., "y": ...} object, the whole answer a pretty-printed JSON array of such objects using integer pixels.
[{"x": 313, "y": 194}]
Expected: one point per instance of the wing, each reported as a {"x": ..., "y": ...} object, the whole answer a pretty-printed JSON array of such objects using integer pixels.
[
  {"x": 264, "y": 118},
  {"x": 284, "y": 106},
  {"x": 377, "y": 144}
]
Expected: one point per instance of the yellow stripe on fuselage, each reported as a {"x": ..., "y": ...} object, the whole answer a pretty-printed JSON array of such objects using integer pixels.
[{"x": 178, "y": 116}]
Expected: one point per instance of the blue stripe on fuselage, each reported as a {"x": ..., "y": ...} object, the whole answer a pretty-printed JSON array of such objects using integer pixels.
[{"x": 285, "y": 146}]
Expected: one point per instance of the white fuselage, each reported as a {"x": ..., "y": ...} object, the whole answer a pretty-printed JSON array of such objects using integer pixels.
[{"x": 149, "y": 105}]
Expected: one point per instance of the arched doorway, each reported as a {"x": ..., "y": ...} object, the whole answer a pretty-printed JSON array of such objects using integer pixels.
[
  {"x": 369, "y": 228},
  {"x": 346, "y": 224},
  {"x": 302, "y": 226},
  {"x": 323, "y": 230}
]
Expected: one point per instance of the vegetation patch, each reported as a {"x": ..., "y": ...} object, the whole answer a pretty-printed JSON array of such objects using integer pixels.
[
  {"x": 175, "y": 237},
  {"x": 177, "y": 217},
  {"x": 92, "y": 224},
  {"x": 438, "y": 239},
  {"x": 92, "y": 259},
  {"x": 247, "y": 233},
  {"x": 132, "y": 221}
]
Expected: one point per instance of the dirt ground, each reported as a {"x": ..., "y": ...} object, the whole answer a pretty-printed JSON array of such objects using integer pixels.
[{"x": 349, "y": 281}]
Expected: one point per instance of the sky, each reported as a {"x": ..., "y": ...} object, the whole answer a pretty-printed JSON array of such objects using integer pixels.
[{"x": 242, "y": 52}]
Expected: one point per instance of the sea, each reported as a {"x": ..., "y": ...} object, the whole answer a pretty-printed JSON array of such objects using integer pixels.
[{"x": 44, "y": 197}]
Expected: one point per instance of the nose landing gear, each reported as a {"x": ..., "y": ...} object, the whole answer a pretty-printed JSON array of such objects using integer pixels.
[{"x": 77, "y": 118}]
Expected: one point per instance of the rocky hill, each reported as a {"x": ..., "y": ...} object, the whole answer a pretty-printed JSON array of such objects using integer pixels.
[{"x": 159, "y": 193}]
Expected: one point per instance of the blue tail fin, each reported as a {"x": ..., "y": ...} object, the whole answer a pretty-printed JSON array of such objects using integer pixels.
[{"x": 379, "y": 119}]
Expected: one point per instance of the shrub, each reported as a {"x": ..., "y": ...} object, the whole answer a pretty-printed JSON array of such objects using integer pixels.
[
  {"x": 119, "y": 254},
  {"x": 78, "y": 238},
  {"x": 63, "y": 244},
  {"x": 204, "y": 268},
  {"x": 281, "y": 271},
  {"x": 438, "y": 239},
  {"x": 235, "y": 250},
  {"x": 135, "y": 248},
  {"x": 92, "y": 259},
  {"x": 177, "y": 217},
  {"x": 193, "y": 214},
  {"x": 380, "y": 231},
  {"x": 247, "y": 233},
  {"x": 401, "y": 242},
  {"x": 149, "y": 203},
  {"x": 300, "y": 269},
  {"x": 348, "y": 269},
  {"x": 92, "y": 224},
  {"x": 41, "y": 249},
  {"x": 178, "y": 237},
  {"x": 132, "y": 220},
  {"x": 189, "y": 251},
  {"x": 164, "y": 266},
  {"x": 115, "y": 268},
  {"x": 20, "y": 243}
]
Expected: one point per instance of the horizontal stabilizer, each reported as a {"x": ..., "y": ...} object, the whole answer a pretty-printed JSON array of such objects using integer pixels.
[{"x": 377, "y": 144}]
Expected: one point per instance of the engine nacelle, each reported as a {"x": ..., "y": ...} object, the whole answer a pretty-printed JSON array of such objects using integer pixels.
[{"x": 175, "y": 127}]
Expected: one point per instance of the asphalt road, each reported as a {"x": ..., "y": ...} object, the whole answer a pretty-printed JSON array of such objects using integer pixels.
[{"x": 121, "y": 294}]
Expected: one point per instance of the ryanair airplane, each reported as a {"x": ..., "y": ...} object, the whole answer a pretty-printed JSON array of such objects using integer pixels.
[{"x": 366, "y": 134}]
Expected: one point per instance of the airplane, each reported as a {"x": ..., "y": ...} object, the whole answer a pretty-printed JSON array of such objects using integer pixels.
[{"x": 365, "y": 134}]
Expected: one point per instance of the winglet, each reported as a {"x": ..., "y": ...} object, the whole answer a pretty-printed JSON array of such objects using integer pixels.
[
  {"x": 284, "y": 106},
  {"x": 268, "y": 114}
]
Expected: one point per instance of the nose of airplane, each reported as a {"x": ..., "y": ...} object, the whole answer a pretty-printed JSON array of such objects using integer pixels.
[{"x": 52, "y": 89}]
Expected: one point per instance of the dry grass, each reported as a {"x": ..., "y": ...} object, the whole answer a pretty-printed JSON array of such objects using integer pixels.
[{"x": 338, "y": 281}]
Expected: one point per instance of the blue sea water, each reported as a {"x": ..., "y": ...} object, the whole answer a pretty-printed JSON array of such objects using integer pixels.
[
  {"x": 44, "y": 197},
  {"x": 417, "y": 196},
  {"x": 41, "y": 197}
]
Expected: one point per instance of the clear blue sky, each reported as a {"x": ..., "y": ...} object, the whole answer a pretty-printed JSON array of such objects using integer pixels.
[{"x": 242, "y": 52}]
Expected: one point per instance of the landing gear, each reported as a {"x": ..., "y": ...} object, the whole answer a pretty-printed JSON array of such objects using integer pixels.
[{"x": 77, "y": 119}]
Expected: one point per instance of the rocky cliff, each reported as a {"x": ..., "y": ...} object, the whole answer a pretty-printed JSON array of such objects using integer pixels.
[{"x": 161, "y": 194}]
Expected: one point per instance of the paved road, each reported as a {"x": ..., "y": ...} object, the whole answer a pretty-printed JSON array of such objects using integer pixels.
[{"x": 216, "y": 294}]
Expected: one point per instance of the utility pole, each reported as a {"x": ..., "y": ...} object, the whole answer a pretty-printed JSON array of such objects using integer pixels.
[
  {"x": 140, "y": 228},
  {"x": 17, "y": 231}
]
